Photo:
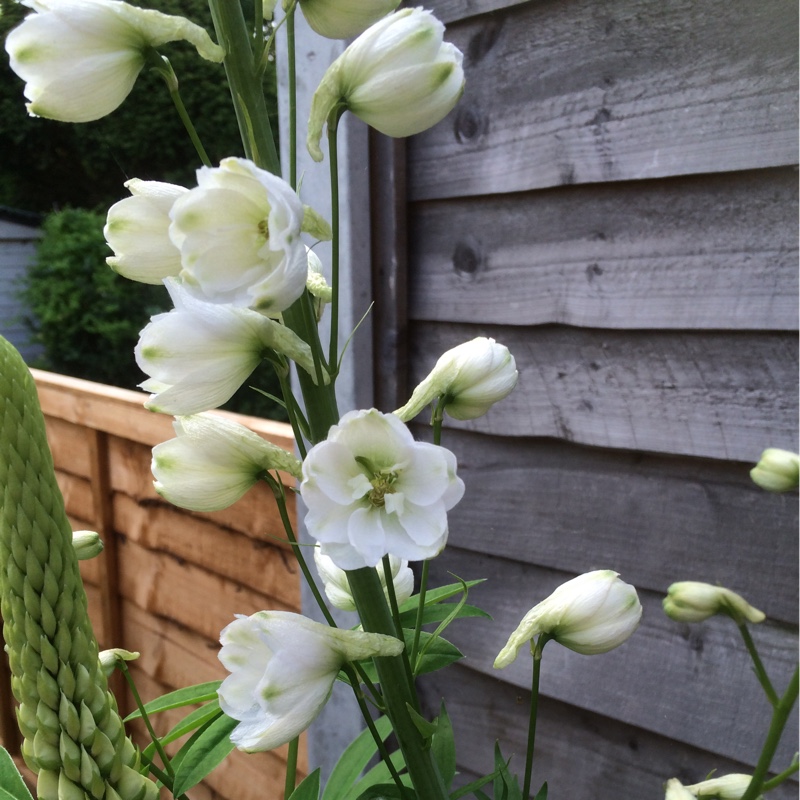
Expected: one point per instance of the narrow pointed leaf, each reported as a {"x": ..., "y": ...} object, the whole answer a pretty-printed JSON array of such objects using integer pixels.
[
  {"x": 200, "y": 693},
  {"x": 205, "y": 751},
  {"x": 354, "y": 761},
  {"x": 308, "y": 789},
  {"x": 443, "y": 745},
  {"x": 425, "y": 728}
]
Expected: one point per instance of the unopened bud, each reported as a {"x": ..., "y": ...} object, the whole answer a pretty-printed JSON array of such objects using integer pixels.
[
  {"x": 777, "y": 470},
  {"x": 87, "y": 544},
  {"x": 692, "y": 601},
  {"x": 110, "y": 659}
]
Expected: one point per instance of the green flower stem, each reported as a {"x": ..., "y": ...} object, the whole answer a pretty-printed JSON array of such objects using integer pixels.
[
  {"x": 291, "y": 409},
  {"x": 333, "y": 157},
  {"x": 398, "y": 695},
  {"x": 291, "y": 768},
  {"x": 780, "y": 716},
  {"x": 536, "y": 651},
  {"x": 437, "y": 420},
  {"x": 161, "y": 65},
  {"x": 384, "y": 753},
  {"x": 292, "y": 67},
  {"x": 758, "y": 665},
  {"x": 781, "y": 777},
  {"x": 395, "y": 611},
  {"x": 165, "y": 760},
  {"x": 423, "y": 588},
  {"x": 246, "y": 89}
]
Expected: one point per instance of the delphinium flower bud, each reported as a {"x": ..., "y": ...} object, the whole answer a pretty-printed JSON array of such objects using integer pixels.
[
  {"x": 777, "y": 470},
  {"x": 398, "y": 76},
  {"x": 213, "y": 462},
  {"x": 337, "y": 588},
  {"x": 470, "y": 378},
  {"x": 590, "y": 614},
  {"x": 80, "y": 58},
  {"x": 283, "y": 666},
  {"x": 693, "y": 601},
  {"x": 87, "y": 544},
  {"x": 344, "y": 19},
  {"x": 725, "y": 787},
  {"x": 73, "y": 736}
]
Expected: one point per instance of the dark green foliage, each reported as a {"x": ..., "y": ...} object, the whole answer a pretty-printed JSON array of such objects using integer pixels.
[
  {"x": 49, "y": 164},
  {"x": 87, "y": 317}
]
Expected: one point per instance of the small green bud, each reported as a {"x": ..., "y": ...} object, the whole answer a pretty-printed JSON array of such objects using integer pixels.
[
  {"x": 47, "y": 688},
  {"x": 49, "y": 655},
  {"x": 90, "y": 775},
  {"x": 47, "y": 784},
  {"x": 87, "y": 544},
  {"x": 777, "y": 470},
  {"x": 68, "y": 717},
  {"x": 45, "y": 751},
  {"x": 66, "y": 680},
  {"x": 67, "y": 790},
  {"x": 88, "y": 726},
  {"x": 693, "y": 601},
  {"x": 47, "y": 718},
  {"x": 70, "y": 757},
  {"x": 103, "y": 751},
  {"x": 34, "y": 573}
]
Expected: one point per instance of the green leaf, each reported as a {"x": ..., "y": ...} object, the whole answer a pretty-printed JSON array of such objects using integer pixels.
[
  {"x": 435, "y": 652},
  {"x": 205, "y": 751},
  {"x": 308, "y": 789},
  {"x": 378, "y": 774},
  {"x": 440, "y": 611},
  {"x": 437, "y": 595},
  {"x": 443, "y": 746},
  {"x": 542, "y": 793},
  {"x": 197, "y": 718},
  {"x": 506, "y": 785},
  {"x": 425, "y": 728},
  {"x": 12, "y": 787},
  {"x": 473, "y": 788},
  {"x": 354, "y": 760},
  {"x": 200, "y": 693},
  {"x": 388, "y": 791}
]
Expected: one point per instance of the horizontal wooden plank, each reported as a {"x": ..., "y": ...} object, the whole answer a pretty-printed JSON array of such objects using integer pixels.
[
  {"x": 715, "y": 395},
  {"x": 453, "y": 10},
  {"x": 710, "y": 252},
  {"x": 654, "y": 519},
  {"x": 585, "y": 92},
  {"x": 165, "y": 587},
  {"x": 121, "y": 412},
  {"x": 582, "y": 755},
  {"x": 689, "y": 683}
]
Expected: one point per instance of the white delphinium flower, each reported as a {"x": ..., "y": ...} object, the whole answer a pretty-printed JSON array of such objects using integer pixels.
[
  {"x": 677, "y": 791},
  {"x": 693, "y": 601},
  {"x": 213, "y": 462},
  {"x": 590, "y": 614},
  {"x": 726, "y": 787},
  {"x": 137, "y": 230},
  {"x": 777, "y": 470},
  {"x": 344, "y": 19},
  {"x": 80, "y": 58},
  {"x": 337, "y": 587},
  {"x": 371, "y": 490},
  {"x": 248, "y": 220},
  {"x": 199, "y": 354},
  {"x": 282, "y": 668},
  {"x": 471, "y": 378},
  {"x": 398, "y": 76}
]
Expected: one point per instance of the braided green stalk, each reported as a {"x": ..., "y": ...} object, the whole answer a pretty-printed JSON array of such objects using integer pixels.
[{"x": 74, "y": 737}]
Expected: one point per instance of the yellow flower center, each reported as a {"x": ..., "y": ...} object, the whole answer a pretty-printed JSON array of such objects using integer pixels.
[
  {"x": 381, "y": 486},
  {"x": 263, "y": 228}
]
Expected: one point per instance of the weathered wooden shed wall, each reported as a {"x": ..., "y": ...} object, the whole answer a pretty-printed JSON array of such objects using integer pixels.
[{"x": 615, "y": 198}]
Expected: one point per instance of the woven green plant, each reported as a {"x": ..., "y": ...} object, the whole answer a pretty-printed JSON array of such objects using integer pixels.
[{"x": 73, "y": 736}]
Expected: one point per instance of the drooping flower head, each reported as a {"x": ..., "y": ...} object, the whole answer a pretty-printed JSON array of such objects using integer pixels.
[
  {"x": 282, "y": 667},
  {"x": 371, "y": 490},
  {"x": 137, "y": 230},
  {"x": 80, "y": 58},
  {"x": 398, "y": 76},
  {"x": 337, "y": 587},
  {"x": 213, "y": 461},
  {"x": 777, "y": 470},
  {"x": 199, "y": 354},
  {"x": 590, "y": 614},
  {"x": 238, "y": 233},
  {"x": 471, "y": 378},
  {"x": 725, "y": 787}
]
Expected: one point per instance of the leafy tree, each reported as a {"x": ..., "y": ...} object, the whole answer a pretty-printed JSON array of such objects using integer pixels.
[{"x": 56, "y": 164}]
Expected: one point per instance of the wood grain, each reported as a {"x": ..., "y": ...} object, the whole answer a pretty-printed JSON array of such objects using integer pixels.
[
  {"x": 710, "y": 252},
  {"x": 583, "y": 92},
  {"x": 715, "y": 395},
  {"x": 583, "y": 756},
  {"x": 654, "y": 519},
  {"x": 691, "y": 683}
]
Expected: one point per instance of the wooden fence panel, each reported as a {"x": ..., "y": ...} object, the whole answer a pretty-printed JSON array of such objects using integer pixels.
[
  {"x": 583, "y": 92},
  {"x": 176, "y": 577}
]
